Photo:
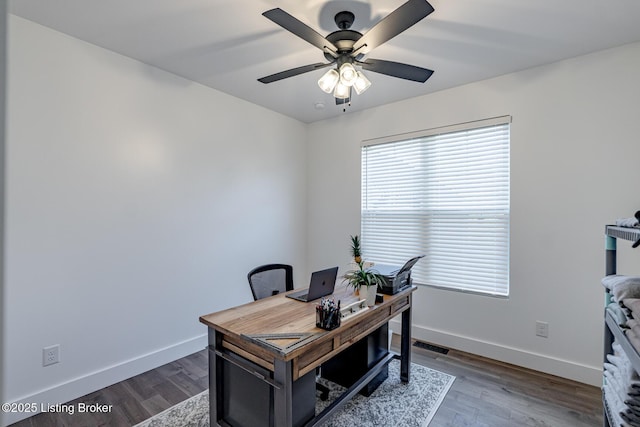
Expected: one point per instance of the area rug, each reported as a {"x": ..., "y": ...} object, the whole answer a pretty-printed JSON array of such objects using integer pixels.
[{"x": 392, "y": 404}]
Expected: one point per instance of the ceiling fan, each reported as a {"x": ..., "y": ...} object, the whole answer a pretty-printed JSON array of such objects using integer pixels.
[{"x": 346, "y": 48}]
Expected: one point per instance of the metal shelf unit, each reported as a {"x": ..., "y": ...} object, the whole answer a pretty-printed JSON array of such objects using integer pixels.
[{"x": 612, "y": 330}]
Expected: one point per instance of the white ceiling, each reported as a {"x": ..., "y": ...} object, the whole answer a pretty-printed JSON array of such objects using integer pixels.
[{"x": 228, "y": 44}]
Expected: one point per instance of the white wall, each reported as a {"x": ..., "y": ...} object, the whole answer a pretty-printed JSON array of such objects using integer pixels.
[
  {"x": 574, "y": 152},
  {"x": 136, "y": 202}
]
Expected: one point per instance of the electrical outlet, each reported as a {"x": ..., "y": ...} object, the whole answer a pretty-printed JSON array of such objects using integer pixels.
[
  {"x": 51, "y": 355},
  {"x": 542, "y": 329}
]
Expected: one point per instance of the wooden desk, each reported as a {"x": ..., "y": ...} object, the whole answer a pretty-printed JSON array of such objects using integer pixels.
[{"x": 279, "y": 334}]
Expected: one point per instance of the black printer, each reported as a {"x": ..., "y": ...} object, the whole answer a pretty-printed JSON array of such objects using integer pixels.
[{"x": 395, "y": 278}]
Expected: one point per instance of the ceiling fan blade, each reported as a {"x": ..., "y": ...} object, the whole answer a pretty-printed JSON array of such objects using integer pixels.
[
  {"x": 393, "y": 24},
  {"x": 293, "y": 72},
  {"x": 396, "y": 69},
  {"x": 300, "y": 29}
]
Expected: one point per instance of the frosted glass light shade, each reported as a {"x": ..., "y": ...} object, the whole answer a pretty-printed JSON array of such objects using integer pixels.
[
  {"x": 328, "y": 81},
  {"x": 361, "y": 84},
  {"x": 348, "y": 74},
  {"x": 341, "y": 91}
]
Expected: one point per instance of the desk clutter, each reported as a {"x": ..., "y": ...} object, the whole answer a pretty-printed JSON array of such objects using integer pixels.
[
  {"x": 328, "y": 314},
  {"x": 353, "y": 309}
]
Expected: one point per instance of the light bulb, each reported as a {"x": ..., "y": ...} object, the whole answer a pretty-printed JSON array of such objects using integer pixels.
[
  {"x": 328, "y": 81},
  {"x": 361, "y": 84},
  {"x": 348, "y": 74},
  {"x": 341, "y": 91}
]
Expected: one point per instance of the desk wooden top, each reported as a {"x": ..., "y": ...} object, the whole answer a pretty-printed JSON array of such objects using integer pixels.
[
  {"x": 279, "y": 315},
  {"x": 274, "y": 315}
]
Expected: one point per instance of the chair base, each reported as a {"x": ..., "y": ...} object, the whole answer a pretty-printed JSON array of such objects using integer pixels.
[{"x": 324, "y": 391}]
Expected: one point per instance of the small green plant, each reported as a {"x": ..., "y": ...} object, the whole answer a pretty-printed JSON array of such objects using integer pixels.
[
  {"x": 361, "y": 277},
  {"x": 355, "y": 249}
]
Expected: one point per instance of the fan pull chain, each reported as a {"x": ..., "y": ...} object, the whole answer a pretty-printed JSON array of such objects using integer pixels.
[{"x": 344, "y": 109}]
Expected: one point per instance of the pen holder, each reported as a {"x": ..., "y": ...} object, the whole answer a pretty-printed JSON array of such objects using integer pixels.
[{"x": 327, "y": 315}]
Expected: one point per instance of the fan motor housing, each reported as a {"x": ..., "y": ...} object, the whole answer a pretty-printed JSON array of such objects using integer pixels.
[{"x": 343, "y": 40}]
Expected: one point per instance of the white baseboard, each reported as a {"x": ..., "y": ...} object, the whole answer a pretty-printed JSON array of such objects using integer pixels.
[
  {"x": 539, "y": 362},
  {"x": 105, "y": 377}
]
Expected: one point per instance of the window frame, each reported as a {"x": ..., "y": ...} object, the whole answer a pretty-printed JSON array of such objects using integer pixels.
[{"x": 501, "y": 216}]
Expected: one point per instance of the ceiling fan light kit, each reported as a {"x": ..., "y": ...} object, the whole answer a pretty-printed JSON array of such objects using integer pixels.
[
  {"x": 329, "y": 80},
  {"x": 348, "y": 74},
  {"x": 362, "y": 83},
  {"x": 342, "y": 91},
  {"x": 340, "y": 82},
  {"x": 346, "y": 47}
]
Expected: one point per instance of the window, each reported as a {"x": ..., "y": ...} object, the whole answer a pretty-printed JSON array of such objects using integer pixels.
[{"x": 443, "y": 193}]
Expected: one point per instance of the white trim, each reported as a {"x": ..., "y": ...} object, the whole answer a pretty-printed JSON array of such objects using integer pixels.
[
  {"x": 493, "y": 121},
  {"x": 591, "y": 375},
  {"x": 105, "y": 377}
]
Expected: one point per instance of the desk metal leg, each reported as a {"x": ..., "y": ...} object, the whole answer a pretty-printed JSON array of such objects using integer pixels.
[
  {"x": 215, "y": 374},
  {"x": 405, "y": 344},
  {"x": 283, "y": 396}
]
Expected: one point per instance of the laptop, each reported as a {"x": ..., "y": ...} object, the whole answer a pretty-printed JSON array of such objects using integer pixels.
[{"x": 322, "y": 284}]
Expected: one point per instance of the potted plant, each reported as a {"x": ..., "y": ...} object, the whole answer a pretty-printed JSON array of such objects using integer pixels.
[
  {"x": 355, "y": 249},
  {"x": 364, "y": 281}
]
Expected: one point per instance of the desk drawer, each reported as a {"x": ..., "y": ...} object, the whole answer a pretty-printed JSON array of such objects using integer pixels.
[
  {"x": 400, "y": 305},
  {"x": 357, "y": 330}
]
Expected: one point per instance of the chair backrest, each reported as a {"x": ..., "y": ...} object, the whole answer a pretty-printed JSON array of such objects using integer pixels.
[{"x": 270, "y": 279}]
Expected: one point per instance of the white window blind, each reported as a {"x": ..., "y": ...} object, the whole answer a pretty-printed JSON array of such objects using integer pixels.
[{"x": 443, "y": 193}]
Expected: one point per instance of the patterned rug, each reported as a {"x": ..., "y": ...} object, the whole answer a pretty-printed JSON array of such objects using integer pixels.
[{"x": 392, "y": 404}]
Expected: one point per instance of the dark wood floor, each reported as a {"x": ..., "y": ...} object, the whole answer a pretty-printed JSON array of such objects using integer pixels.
[
  {"x": 485, "y": 393},
  {"x": 137, "y": 398}
]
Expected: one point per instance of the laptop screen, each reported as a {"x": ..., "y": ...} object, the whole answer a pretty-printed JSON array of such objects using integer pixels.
[{"x": 322, "y": 283}]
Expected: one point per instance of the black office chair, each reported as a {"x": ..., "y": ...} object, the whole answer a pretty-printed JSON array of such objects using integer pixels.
[{"x": 271, "y": 279}]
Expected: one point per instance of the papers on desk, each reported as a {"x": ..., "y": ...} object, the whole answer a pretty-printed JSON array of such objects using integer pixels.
[{"x": 353, "y": 309}]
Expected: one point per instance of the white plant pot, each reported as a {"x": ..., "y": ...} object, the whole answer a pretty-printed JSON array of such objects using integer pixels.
[{"x": 368, "y": 293}]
